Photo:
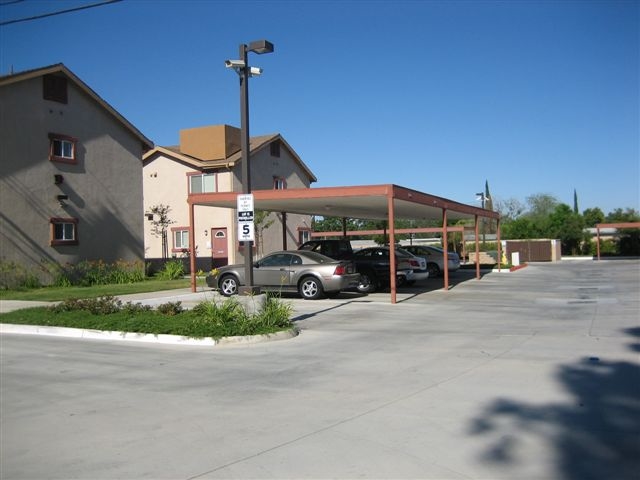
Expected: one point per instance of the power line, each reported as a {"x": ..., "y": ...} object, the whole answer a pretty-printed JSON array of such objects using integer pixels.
[
  {"x": 10, "y": 2},
  {"x": 60, "y": 12}
]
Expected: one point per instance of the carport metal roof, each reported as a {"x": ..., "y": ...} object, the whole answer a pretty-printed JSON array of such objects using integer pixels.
[
  {"x": 385, "y": 201},
  {"x": 370, "y": 202}
]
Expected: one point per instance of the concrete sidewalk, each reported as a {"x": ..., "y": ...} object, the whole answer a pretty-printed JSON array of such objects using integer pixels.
[{"x": 530, "y": 375}]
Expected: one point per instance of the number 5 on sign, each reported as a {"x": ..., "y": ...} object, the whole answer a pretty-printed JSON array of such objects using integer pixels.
[{"x": 246, "y": 232}]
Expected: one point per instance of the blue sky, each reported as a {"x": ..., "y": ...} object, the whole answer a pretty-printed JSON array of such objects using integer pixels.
[{"x": 532, "y": 96}]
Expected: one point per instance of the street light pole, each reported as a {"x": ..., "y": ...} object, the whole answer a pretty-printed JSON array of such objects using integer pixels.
[{"x": 244, "y": 72}]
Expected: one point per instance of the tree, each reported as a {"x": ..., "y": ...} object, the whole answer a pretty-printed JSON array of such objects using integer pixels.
[
  {"x": 519, "y": 228},
  {"x": 575, "y": 202},
  {"x": 487, "y": 196},
  {"x": 619, "y": 216},
  {"x": 541, "y": 204},
  {"x": 629, "y": 243},
  {"x": 567, "y": 226},
  {"x": 261, "y": 222},
  {"x": 159, "y": 225},
  {"x": 510, "y": 209},
  {"x": 592, "y": 216},
  {"x": 333, "y": 224}
]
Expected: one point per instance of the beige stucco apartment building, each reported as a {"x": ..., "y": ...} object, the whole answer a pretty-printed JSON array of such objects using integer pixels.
[
  {"x": 70, "y": 173},
  {"x": 208, "y": 159}
]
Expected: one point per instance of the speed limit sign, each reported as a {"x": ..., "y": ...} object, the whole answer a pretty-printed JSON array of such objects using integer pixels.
[{"x": 246, "y": 232}]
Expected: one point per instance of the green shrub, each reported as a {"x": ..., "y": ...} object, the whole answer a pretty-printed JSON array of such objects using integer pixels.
[
  {"x": 220, "y": 313},
  {"x": 172, "y": 270},
  {"x": 135, "y": 308},
  {"x": 275, "y": 312},
  {"x": 607, "y": 247},
  {"x": 170, "y": 308},
  {"x": 96, "y": 306},
  {"x": 88, "y": 273},
  {"x": 14, "y": 276}
]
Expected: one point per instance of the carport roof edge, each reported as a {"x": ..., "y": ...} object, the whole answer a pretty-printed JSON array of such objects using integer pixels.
[{"x": 367, "y": 201}]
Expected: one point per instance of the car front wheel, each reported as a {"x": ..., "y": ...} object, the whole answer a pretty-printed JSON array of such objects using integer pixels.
[
  {"x": 310, "y": 288},
  {"x": 228, "y": 285}
]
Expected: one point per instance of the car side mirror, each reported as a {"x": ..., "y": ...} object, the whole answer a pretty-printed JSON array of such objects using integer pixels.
[{"x": 256, "y": 265}]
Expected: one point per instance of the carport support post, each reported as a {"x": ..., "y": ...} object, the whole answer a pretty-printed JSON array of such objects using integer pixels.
[
  {"x": 477, "y": 249},
  {"x": 499, "y": 244},
  {"x": 598, "y": 241},
  {"x": 284, "y": 230},
  {"x": 392, "y": 248},
  {"x": 192, "y": 247},
  {"x": 445, "y": 248}
]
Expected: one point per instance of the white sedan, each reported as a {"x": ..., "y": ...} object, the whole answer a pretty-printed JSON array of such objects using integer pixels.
[{"x": 435, "y": 258}]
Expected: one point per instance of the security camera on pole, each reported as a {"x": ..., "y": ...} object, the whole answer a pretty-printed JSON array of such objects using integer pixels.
[{"x": 245, "y": 201}]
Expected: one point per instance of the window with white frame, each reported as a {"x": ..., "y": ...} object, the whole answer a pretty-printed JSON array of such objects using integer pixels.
[
  {"x": 64, "y": 231},
  {"x": 202, "y": 183},
  {"x": 304, "y": 235},
  {"x": 62, "y": 148},
  {"x": 180, "y": 239},
  {"x": 279, "y": 183}
]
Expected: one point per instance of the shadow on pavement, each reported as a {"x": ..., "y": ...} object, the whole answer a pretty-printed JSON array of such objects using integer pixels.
[{"x": 595, "y": 436}]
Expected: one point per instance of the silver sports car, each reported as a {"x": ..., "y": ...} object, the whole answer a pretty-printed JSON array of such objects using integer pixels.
[{"x": 310, "y": 274}]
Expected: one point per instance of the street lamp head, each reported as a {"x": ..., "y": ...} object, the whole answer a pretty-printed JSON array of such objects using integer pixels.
[{"x": 261, "y": 46}]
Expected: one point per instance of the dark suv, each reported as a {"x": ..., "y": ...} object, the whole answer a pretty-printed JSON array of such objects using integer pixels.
[{"x": 336, "y": 249}]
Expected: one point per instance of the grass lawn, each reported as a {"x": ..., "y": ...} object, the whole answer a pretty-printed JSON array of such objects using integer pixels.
[
  {"x": 187, "y": 323},
  {"x": 55, "y": 294}
]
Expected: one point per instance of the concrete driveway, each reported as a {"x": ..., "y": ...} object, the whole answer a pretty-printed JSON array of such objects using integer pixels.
[{"x": 530, "y": 375}]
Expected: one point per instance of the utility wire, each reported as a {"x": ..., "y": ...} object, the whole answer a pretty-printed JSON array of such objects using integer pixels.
[
  {"x": 60, "y": 12},
  {"x": 10, "y": 2}
]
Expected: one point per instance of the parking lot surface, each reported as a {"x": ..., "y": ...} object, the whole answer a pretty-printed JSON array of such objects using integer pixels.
[{"x": 530, "y": 375}]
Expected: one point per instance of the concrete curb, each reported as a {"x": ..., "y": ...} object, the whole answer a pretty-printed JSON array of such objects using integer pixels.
[{"x": 144, "y": 337}]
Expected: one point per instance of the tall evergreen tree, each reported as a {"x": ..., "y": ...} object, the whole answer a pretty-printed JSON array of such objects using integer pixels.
[
  {"x": 575, "y": 201},
  {"x": 488, "y": 199}
]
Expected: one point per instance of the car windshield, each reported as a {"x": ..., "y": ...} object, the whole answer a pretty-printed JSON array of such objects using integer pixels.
[{"x": 403, "y": 253}]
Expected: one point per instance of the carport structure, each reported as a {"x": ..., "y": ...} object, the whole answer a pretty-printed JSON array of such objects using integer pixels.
[{"x": 374, "y": 202}]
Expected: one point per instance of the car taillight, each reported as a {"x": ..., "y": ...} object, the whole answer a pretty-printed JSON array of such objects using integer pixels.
[
  {"x": 414, "y": 263},
  {"x": 340, "y": 270}
]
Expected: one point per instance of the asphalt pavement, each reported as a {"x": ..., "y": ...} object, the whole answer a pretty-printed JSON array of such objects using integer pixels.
[{"x": 526, "y": 375}]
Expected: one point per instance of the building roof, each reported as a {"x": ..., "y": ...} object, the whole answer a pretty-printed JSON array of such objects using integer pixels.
[
  {"x": 256, "y": 144},
  {"x": 60, "y": 68}
]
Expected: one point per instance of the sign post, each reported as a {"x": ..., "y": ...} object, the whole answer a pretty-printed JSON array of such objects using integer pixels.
[{"x": 246, "y": 234}]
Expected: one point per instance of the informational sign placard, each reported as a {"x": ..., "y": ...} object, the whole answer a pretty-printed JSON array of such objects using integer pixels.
[{"x": 246, "y": 228}]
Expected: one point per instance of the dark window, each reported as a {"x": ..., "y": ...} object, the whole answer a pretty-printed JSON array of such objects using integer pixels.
[
  {"x": 54, "y": 88},
  {"x": 277, "y": 260},
  {"x": 275, "y": 149},
  {"x": 64, "y": 231}
]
